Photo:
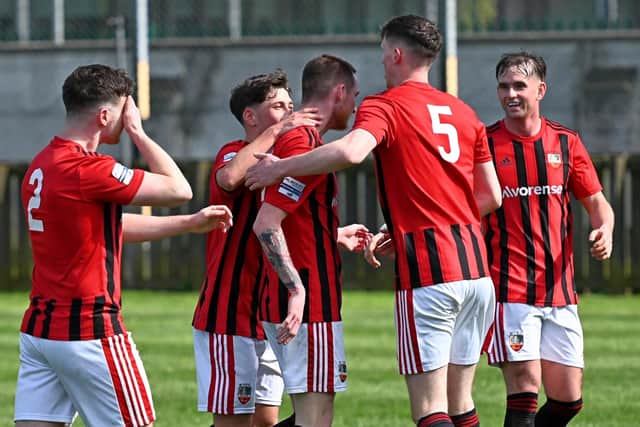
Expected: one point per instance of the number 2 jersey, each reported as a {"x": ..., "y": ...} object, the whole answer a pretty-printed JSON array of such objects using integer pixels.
[
  {"x": 72, "y": 201},
  {"x": 529, "y": 238},
  {"x": 428, "y": 145}
]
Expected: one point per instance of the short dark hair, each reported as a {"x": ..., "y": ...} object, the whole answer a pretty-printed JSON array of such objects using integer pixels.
[
  {"x": 255, "y": 90},
  {"x": 417, "y": 32},
  {"x": 527, "y": 63},
  {"x": 90, "y": 86},
  {"x": 323, "y": 73}
]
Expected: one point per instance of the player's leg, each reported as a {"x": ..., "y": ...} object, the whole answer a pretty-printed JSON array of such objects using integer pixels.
[
  {"x": 477, "y": 303},
  {"x": 562, "y": 364},
  {"x": 105, "y": 380},
  {"x": 41, "y": 400},
  {"x": 428, "y": 398},
  {"x": 313, "y": 367},
  {"x": 459, "y": 385},
  {"x": 269, "y": 386},
  {"x": 313, "y": 409},
  {"x": 425, "y": 318},
  {"x": 516, "y": 349},
  {"x": 226, "y": 371}
]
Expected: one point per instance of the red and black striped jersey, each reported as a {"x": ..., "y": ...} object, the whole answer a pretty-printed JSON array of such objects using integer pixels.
[
  {"x": 428, "y": 145},
  {"x": 73, "y": 206},
  {"x": 529, "y": 238},
  {"x": 311, "y": 231},
  {"x": 229, "y": 297}
]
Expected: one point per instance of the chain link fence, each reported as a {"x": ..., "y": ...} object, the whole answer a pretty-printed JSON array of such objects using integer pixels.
[{"x": 36, "y": 20}]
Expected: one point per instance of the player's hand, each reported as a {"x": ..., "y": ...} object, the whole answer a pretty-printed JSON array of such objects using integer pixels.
[
  {"x": 379, "y": 245},
  {"x": 131, "y": 118},
  {"x": 210, "y": 218},
  {"x": 354, "y": 237},
  {"x": 263, "y": 173},
  {"x": 601, "y": 243},
  {"x": 304, "y": 117},
  {"x": 289, "y": 328}
]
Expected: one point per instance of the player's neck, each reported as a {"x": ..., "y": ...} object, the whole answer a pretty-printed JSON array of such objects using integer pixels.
[
  {"x": 525, "y": 127},
  {"x": 325, "y": 110},
  {"x": 86, "y": 138},
  {"x": 416, "y": 74}
]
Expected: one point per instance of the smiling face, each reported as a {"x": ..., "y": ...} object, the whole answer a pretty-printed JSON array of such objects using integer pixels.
[
  {"x": 274, "y": 108},
  {"x": 520, "y": 95}
]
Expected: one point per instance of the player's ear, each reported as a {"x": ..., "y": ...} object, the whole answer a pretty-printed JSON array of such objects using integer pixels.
[
  {"x": 249, "y": 117},
  {"x": 103, "y": 116},
  {"x": 340, "y": 92},
  {"x": 397, "y": 55},
  {"x": 542, "y": 90}
]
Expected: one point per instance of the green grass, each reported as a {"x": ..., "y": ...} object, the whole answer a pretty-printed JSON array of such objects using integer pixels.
[{"x": 161, "y": 325}]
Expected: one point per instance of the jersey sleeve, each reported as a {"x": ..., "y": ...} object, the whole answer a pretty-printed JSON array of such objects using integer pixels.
[
  {"x": 376, "y": 116},
  {"x": 482, "y": 152},
  {"x": 224, "y": 156},
  {"x": 291, "y": 192},
  {"x": 104, "y": 179},
  {"x": 583, "y": 178}
]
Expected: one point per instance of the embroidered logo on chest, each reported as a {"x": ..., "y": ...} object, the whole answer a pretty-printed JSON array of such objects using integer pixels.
[{"x": 554, "y": 159}]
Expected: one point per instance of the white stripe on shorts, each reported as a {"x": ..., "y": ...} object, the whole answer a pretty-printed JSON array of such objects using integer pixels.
[
  {"x": 319, "y": 368},
  {"x": 220, "y": 383},
  {"x": 127, "y": 375},
  {"x": 405, "y": 349}
]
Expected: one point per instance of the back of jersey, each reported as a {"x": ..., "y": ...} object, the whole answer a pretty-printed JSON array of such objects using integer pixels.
[{"x": 428, "y": 145}]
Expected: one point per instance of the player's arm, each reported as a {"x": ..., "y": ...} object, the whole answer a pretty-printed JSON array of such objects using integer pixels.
[
  {"x": 268, "y": 228},
  {"x": 347, "y": 151},
  {"x": 141, "y": 228},
  {"x": 486, "y": 187},
  {"x": 164, "y": 185},
  {"x": 233, "y": 173},
  {"x": 353, "y": 237},
  {"x": 602, "y": 221}
]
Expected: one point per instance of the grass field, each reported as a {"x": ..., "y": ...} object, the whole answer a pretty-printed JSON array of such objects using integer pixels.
[{"x": 160, "y": 322}]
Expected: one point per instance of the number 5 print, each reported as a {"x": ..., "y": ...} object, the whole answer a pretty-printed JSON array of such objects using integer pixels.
[{"x": 448, "y": 129}]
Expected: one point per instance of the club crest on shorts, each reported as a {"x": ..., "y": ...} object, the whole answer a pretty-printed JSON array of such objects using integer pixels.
[
  {"x": 244, "y": 393},
  {"x": 342, "y": 370},
  {"x": 554, "y": 159},
  {"x": 516, "y": 340}
]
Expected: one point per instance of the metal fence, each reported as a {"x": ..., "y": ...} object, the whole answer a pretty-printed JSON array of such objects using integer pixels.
[
  {"x": 178, "y": 263},
  {"x": 60, "y": 20}
]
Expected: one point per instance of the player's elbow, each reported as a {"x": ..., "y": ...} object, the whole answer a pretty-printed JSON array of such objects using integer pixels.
[
  {"x": 496, "y": 199},
  {"x": 227, "y": 180},
  {"x": 179, "y": 194},
  {"x": 352, "y": 156},
  {"x": 259, "y": 225}
]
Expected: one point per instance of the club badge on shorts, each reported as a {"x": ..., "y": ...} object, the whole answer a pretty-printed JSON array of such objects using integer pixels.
[
  {"x": 516, "y": 340},
  {"x": 342, "y": 370},
  {"x": 244, "y": 393}
]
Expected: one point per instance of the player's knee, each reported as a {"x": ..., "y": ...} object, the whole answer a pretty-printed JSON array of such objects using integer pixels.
[
  {"x": 521, "y": 378},
  {"x": 265, "y": 416}
]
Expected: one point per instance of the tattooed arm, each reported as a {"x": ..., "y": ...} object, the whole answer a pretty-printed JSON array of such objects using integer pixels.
[{"x": 269, "y": 231}]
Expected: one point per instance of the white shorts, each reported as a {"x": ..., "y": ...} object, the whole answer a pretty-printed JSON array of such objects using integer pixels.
[
  {"x": 524, "y": 332},
  {"x": 314, "y": 361},
  {"x": 102, "y": 379},
  {"x": 441, "y": 324},
  {"x": 235, "y": 373}
]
